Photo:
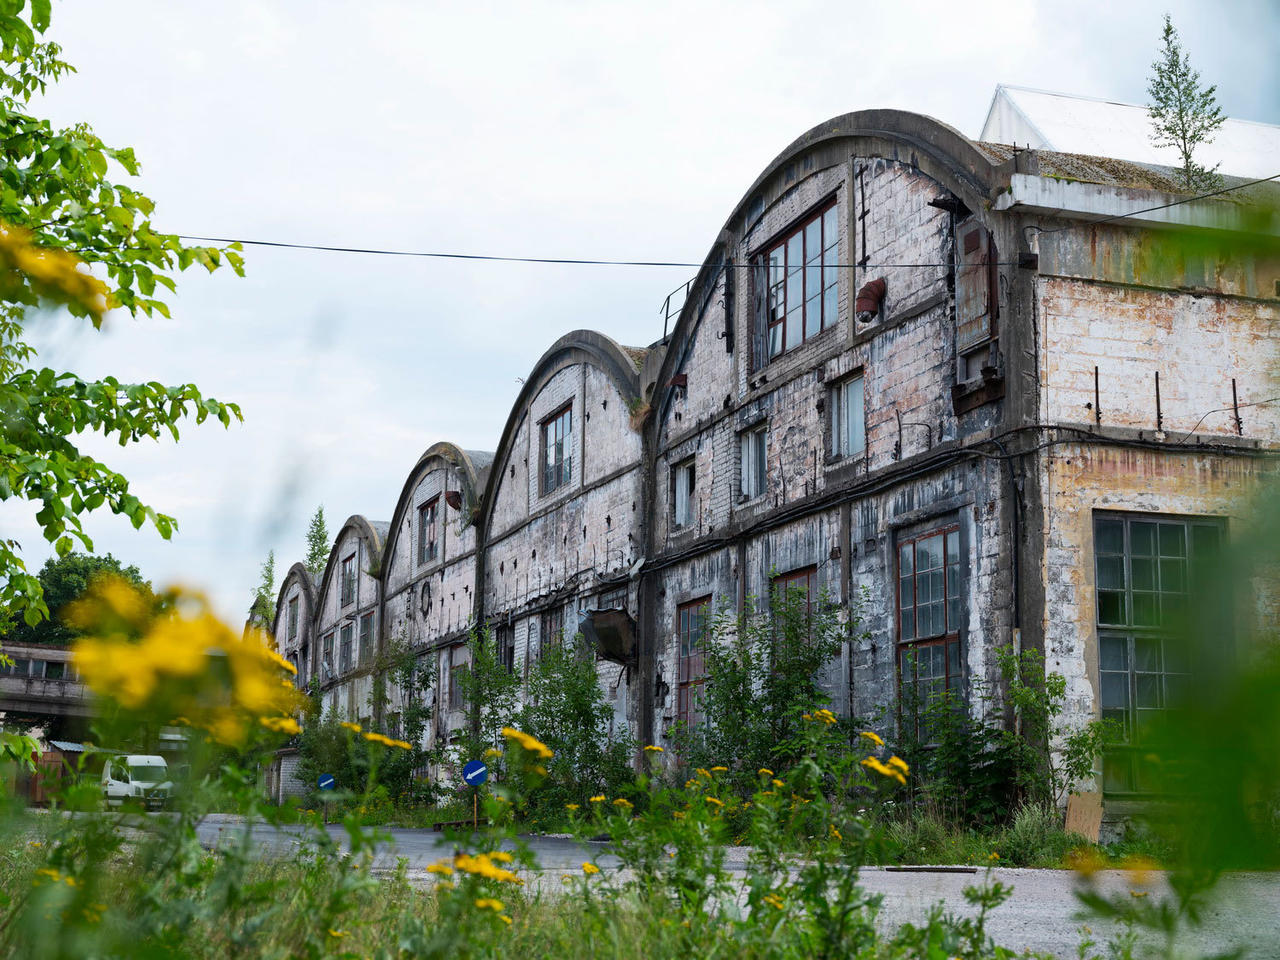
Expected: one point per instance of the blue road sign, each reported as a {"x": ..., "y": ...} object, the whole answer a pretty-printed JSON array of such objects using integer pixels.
[
  {"x": 326, "y": 781},
  {"x": 475, "y": 773}
]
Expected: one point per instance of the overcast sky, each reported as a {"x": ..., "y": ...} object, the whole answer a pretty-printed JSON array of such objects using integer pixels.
[{"x": 612, "y": 131}]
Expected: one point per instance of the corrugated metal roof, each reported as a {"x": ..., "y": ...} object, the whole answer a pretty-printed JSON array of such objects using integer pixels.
[{"x": 1107, "y": 128}]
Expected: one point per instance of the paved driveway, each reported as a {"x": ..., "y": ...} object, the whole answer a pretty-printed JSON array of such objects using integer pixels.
[{"x": 1041, "y": 914}]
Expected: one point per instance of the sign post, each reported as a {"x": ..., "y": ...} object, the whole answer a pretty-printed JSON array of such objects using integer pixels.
[
  {"x": 326, "y": 782},
  {"x": 474, "y": 774}
]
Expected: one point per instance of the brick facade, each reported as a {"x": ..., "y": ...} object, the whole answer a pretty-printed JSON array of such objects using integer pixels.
[{"x": 998, "y": 436}]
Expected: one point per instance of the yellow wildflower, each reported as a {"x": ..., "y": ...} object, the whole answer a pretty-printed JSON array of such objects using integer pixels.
[
  {"x": 872, "y": 736},
  {"x": 773, "y": 900},
  {"x": 1141, "y": 869},
  {"x": 836, "y": 833},
  {"x": 622, "y": 803},
  {"x": 994, "y": 856},
  {"x": 765, "y": 772},
  {"x": 529, "y": 743},
  {"x": 590, "y": 868},
  {"x": 1085, "y": 861},
  {"x": 442, "y": 868},
  {"x": 281, "y": 724},
  {"x": 805, "y": 716},
  {"x": 540, "y": 770},
  {"x": 703, "y": 773},
  {"x": 714, "y": 800},
  {"x": 505, "y": 919},
  {"x": 488, "y": 903},
  {"x": 777, "y": 783},
  {"x": 353, "y": 727},
  {"x": 482, "y": 865},
  {"x": 653, "y": 749},
  {"x": 719, "y": 769},
  {"x": 571, "y": 807},
  {"x": 492, "y": 754},
  {"x": 597, "y": 799},
  {"x": 501, "y": 856},
  {"x": 899, "y": 764},
  {"x": 445, "y": 885},
  {"x": 337, "y": 934},
  {"x": 871, "y": 763}
]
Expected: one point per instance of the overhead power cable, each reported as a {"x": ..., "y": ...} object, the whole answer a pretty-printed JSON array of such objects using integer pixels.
[{"x": 589, "y": 261}]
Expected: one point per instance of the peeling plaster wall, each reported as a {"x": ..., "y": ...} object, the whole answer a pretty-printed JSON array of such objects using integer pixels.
[
  {"x": 1197, "y": 344},
  {"x": 1080, "y": 479}
]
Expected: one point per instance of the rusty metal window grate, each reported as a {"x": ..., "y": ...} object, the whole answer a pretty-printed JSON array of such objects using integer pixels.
[
  {"x": 550, "y": 628},
  {"x": 327, "y": 655},
  {"x": 428, "y": 543},
  {"x": 365, "y": 654},
  {"x": 348, "y": 580},
  {"x": 930, "y": 583},
  {"x": 344, "y": 648},
  {"x": 797, "y": 278},
  {"x": 557, "y": 452},
  {"x": 692, "y": 620},
  {"x": 505, "y": 644}
]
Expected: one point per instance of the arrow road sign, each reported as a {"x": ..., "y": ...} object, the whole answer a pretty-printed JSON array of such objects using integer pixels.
[
  {"x": 475, "y": 773},
  {"x": 326, "y": 781}
]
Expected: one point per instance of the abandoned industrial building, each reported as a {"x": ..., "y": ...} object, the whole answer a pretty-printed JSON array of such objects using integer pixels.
[{"x": 987, "y": 387}]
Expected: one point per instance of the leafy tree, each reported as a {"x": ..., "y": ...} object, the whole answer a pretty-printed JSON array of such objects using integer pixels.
[
  {"x": 566, "y": 710},
  {"x": 318, "y": 545},
  {"x": 760, "y": 679},
  {"x": 64, "y": 579},
  {"x": 60, "y": 210},
  {"x": 1183, "y": 114},
  {"x": 263, "y": 605},
  {"x": 489, "y": 692}
]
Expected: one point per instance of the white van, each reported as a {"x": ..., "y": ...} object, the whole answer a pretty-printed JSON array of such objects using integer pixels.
[{"x": 140, "y": 777}]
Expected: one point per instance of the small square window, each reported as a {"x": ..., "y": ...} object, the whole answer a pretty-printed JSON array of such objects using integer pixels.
[
  {"x": 752, "y": 456},
  {"x": 683, "y": 477},
  {"x": 848, "y": 421}
]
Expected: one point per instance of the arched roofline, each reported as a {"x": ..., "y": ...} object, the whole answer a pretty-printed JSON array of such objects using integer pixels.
[
  {"x": 578, "y": 346},
  {"x": 449, "y": 454},
  {"x": 936, "y": 149},
  {"x": 366, "y": 531},
  {"x": 308, "y": 587}
]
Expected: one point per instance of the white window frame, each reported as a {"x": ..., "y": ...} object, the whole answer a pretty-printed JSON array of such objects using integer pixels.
[
  {"x": 848, "y": 418},
  {"x": 753, "y": 449}
]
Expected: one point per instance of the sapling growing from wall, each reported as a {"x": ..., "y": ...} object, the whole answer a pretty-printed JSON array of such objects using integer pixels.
[{"x": 1183, "y": 114}]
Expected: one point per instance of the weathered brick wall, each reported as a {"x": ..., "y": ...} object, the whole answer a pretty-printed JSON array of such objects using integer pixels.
[
  {"x": 907, "y": 362},
  {"x": 1197, "y": 344}
]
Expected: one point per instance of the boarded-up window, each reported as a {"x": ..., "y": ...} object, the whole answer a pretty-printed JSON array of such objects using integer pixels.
[{"x": 975, "y": 298}]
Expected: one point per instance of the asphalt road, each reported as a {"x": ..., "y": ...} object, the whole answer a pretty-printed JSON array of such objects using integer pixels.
[{"x": 1042, "y": 914}]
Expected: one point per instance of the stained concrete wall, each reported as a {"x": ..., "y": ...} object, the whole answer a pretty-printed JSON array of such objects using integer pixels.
[{"x": 1015, "y": 460}]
